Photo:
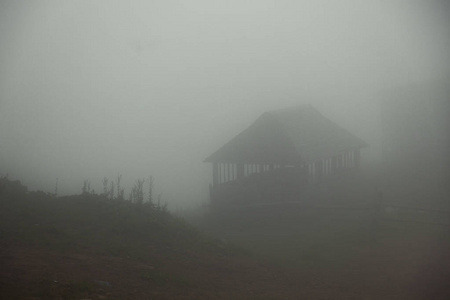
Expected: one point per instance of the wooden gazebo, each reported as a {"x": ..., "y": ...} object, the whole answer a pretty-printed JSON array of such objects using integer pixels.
[{"x": 300, "y": 138}]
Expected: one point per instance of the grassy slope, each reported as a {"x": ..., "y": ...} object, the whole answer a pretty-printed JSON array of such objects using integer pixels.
[{"x": 89, "y": 247}]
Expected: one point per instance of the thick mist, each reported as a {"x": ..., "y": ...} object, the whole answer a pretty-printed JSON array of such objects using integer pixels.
[{"x": 90, "y": 89}]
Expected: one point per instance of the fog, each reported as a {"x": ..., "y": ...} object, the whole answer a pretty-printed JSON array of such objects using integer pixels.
[{"x": 90, "y": 89}]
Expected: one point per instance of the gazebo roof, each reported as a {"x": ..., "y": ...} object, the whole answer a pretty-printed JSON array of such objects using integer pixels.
[{"x": 291, "y": 136}]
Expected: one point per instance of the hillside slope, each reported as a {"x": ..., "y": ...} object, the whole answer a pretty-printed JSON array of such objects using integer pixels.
[{"x": 89, "y": 247}]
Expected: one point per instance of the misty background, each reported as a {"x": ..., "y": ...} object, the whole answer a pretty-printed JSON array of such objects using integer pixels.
[{"x": 90, "y": 89}]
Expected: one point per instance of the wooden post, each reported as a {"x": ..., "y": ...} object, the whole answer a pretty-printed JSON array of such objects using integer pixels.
[
  {"x": 215, "y": 175},
  {"x": 345, "y": 160},
  {"x": 357, "y": 157},
  {"x": 226, "y": 172},
  {"x": 240, "y": 171},
  {"x": 211, "y": 193},
  {"x": 328, "y": 165},
  {"x": 350, "y": 158},
  {"x": 324, "y": 167},
  {"x": 319, "y": 169}
]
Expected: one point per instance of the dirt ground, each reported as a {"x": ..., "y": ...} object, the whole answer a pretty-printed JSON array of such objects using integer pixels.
[
  {"x": 43, "y": 274},
  {"x": 390, "y": 271}
]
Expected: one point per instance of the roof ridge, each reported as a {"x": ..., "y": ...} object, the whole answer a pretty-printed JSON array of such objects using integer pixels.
[
  {"x": 287, "y": 135},
  {"x": 303, "y": 106}
]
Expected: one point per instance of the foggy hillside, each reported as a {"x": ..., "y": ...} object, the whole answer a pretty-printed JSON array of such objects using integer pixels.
[
  {"x": 251, "y": 149},
  {"x": 94, "y": 89}
]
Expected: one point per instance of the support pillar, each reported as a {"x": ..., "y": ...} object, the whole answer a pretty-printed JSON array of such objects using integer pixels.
[
  {"x": 357, "y": 157},
  {"x": 215, "y": 175},
  {"x": 318, "y": 168},
  {"x": 240, "y": 171},
  {"x": 226, "y": 172}
]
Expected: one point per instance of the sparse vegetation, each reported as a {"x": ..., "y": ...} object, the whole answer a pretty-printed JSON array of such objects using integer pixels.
[
  {"x": 89, "y": 246},
  {"x": 94, "y": 247},
  {"x": 86, "y": 187}
]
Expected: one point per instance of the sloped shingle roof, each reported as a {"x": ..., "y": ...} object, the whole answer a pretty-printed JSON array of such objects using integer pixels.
[{"x": 287, "y": 136}]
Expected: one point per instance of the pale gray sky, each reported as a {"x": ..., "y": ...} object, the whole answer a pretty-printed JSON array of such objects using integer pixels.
[{"x": 95, "y": 88}]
